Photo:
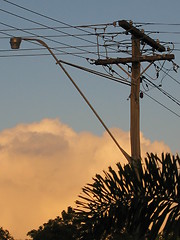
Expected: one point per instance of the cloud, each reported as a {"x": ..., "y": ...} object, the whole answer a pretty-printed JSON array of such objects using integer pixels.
[{"x": 44, "y": 165}]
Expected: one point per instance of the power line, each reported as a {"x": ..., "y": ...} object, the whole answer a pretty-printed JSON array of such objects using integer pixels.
[
  {"x": 122, "y": 80},
  {"x": 158, "y": 23},
  {"x": 51, "y": 28},
  {"x": 7, "y": 25},
  {"x": 112, "y": 50},
  {"x": 65, "y": 24},
  {"x": 42, "y": 25},
  {"x": 58, "y": 21},
  {"x": 53, "y": 48},
  {"x": 171, "y": 77},
  {"x": 39, "y": 54},
  {"x": 118, "y": 81},
  {"x": 164, "y": 92},
  {"x": 64, "y": 44},
  {"x": 163, "y": 32},
  {"x": 161, "y": 104},
  {"x": 103, "y": 34},
  {"x": 64, "y": 47},
  {"x": 85, "y": 26}
]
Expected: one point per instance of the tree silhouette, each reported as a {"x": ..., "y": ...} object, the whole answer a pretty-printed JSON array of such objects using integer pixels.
[
  {"x": 121, "y": 203},
  {"x": 5, "y": 235},
  {"x": 124, "y": 205},
  {"x": 61, "y": 228}
]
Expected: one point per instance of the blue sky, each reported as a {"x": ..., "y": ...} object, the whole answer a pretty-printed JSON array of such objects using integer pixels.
[{"x": 33, "y": 88}]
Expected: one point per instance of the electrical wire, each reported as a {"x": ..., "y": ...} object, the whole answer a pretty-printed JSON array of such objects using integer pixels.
[
  {"x": 66, "y": 45},
  {"x": 164, "y": 92},
  {"x": 42, "y": 49},
  {"x": 107, "y": 76},
  {"x": 162, "y": 32},
  {"x": 166, "y": 72},
  {"x": 66, "y": 26},
  {"x": 119, "y": 81},
  {"x": 35, "y": 22},
  {"x": 64, "y": 34},
  {"x": 161, "y": 104},
  {"x": 158, "y": 23},
  {"x": 58, "y": 21},
  {"x": 47, "y": 38},
  {"x": 53, "y": 48},
  {"x": 52, "y": 28},
  {"x": 32, "y": 21},
  {"x": 171, "y": 77},
  {"x": 62, "y": 53},
  {"x": 31, "y": 33}
]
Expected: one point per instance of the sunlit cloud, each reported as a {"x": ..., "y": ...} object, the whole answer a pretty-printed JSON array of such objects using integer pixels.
[{"x": 44, "y": 165}]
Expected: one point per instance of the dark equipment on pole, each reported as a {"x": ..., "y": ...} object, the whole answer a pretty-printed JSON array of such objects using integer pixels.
[{"x": 136, "y": 58}]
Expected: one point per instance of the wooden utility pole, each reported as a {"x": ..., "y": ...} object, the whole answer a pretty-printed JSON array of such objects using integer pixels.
[
  {"x": 136, "y": 59},
  {"x": 134, "y": 97}
]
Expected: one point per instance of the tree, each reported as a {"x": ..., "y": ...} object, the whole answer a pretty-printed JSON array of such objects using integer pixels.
[
  {"x": 5, "y": 235},
  {"x": 61, "y": 228},
  {"x": 124, "y": 205},
  {"x": 121, "y": 204}
]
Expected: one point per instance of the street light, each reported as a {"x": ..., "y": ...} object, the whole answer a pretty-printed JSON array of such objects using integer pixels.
[{"x": 15, "y": 43}]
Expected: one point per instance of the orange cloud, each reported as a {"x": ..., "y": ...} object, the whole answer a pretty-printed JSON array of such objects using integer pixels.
[{"x": 44, "y": 165}]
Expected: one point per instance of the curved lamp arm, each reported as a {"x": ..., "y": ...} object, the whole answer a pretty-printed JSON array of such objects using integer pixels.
[{"x": 15, "y": 44}]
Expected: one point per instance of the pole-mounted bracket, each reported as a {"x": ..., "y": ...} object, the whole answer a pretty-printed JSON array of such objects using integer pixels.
[
  {"x": 153, "y": 58},
  {"x": 140, "y": 35}
]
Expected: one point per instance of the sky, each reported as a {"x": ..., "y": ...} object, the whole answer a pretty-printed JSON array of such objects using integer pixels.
[{"x": 51, "y": 144}]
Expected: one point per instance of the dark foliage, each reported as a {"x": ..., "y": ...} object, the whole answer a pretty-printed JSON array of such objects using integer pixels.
[
  {"x": 123, "y": 204},
  {"x": 61, "y": 228},
  {"x": 5, "y": 235}
]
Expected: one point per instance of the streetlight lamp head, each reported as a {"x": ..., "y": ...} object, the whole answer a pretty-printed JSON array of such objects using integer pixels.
[{"x": 15, "y": 42}]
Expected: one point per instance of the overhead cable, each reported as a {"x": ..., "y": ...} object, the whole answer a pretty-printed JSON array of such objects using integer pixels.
[
  {"x": 34, "y": 22},
  {"x": 178, "y": 115},
  {"x": 123, "y": 81}
]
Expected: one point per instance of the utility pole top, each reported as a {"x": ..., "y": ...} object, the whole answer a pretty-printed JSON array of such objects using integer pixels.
[
  {"x": 140, "y": 35},
  {"x": 137, "y": 36}
]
